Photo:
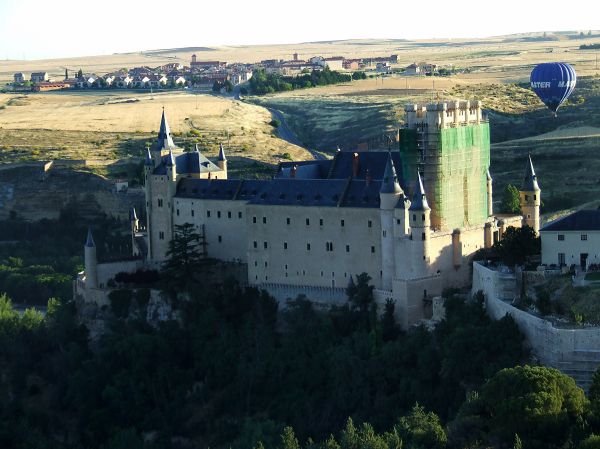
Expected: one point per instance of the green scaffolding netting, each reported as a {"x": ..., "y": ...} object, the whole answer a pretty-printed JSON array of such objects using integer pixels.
[{"x": 454, "y": 162}]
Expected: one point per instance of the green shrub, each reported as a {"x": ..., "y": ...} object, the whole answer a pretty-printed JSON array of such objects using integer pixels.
[{"x": 120, "y": 302}]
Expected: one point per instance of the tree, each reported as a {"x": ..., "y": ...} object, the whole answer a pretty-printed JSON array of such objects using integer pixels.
[
  {"x": 511, "y": 204},
  {"x": 288, "y": 439},
  {"x": 540, "y": 404},
  {"x": 517, "y": 245},
  {"x": 184, "y": 255},
  {"x": 389, "y": 327},
  {"x": 80, "y": 74},
  {"x": 591, "y": 442},
  {"x": 421, "y": 429}
]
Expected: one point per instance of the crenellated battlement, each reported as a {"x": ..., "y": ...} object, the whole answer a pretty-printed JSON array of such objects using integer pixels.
[{"x": 444, "y": 114}]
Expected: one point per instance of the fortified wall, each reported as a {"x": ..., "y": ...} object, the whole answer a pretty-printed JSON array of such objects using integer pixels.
[{"x": 575, "y": 351}]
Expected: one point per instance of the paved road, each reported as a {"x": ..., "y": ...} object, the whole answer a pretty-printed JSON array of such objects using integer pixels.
[{"x": 284, "y": 132}]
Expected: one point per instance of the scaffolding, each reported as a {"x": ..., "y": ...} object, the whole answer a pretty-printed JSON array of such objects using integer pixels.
[{"x": 453, "y": 161}]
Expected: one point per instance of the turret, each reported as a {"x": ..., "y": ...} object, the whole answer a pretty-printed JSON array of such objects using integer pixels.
[
  {"x": 490, "y": 199},
  {"x": 389, "y": 193},
  {"x": 171, "y": 167},
  {"x": 420, "y": 226},
  {"x": 530, "y": 198},
  {"x": 91, "y": 262},
  {"x": 222, "y": 160}
]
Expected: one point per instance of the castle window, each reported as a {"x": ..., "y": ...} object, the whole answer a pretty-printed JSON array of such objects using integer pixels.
[
  {"x": 347, "y": 248},
  {"x": 286, "y": 266},
  {"x": 384, "y": 233},
  {"x": 178, "y": 212},
  {"x": 303, "y": 272},
  {"x": 329, "y": 246},
  {"x": 321, "y": 273},
  {"x": 526, "y": 197},
  {"x": 534, "y": 197},
  {"x": 266, "y": 264},
  {"x": 342, "y": 223},
  {"x": 423, "y": 217},
  {"x": 218, "y": 214},
  {"x": 372, "y": 250},
  {"x": 583, "y": 236},
  {"x": 255, "y": 244},
  {"x": 253, "y": 219},
  {"x": 239, "y": 215},
  {"x": 286, "y": 274},
  {"x": 264, "y": 220},
  {"x": 397, "y": 221},
  {"x": 220, "y": 238},
  {"x": 307, "y": 221},
  {"x": 265, "y": 245},
  {"x": 192, "y": 212},
  {"x": 561, "y": 237},
  {"x": 320, "y": 222},
  {"x": 207, "y": 214},
  {"x": 308, "y": 247},
  {"x": 160, "y": 202},
  {"x": 287, "y": 221},
  {"x": 414, "y": 217},
  {"x": 423, "y": 236},
  {"x": 370, "y": 224},
  {"x": 284, "y": 245},
  {"x": 561, "y": 258},
  {"x": 228, "y": 214},
  {"x": 256, "y": 263},
  {"x": 161, "y": 235}
]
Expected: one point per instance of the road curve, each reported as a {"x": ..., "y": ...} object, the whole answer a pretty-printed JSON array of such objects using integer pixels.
[{"x": 284, "y": 132}]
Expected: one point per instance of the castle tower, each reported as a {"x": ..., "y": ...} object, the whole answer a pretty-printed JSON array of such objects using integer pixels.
[
  {"x": 490, "y": 198},
  {"x": 389, "y": 194},
  {"x": 91, "y": 262},
  {"x": 449, "y": 144},
  {"x": 420, "y": 228},
  {"x": 530, "y": 198},
  {"x": 222, "y": 161}
]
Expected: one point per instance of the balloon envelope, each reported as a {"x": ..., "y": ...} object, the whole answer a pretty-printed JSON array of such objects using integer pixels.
[{"x": 553, "y": 82}]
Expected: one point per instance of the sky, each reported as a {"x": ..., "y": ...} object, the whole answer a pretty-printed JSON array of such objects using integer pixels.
[{"x": 38, "y": 29}]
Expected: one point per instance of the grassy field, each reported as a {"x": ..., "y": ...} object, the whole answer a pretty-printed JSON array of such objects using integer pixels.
[{"x": 108, "y": 126}]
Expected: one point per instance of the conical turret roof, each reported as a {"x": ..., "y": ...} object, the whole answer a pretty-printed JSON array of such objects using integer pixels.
[
  {"x": 419, "y": 200},
  {"x": 390, "y": 184},
  {"x": 90, "y": 239},
  {"x": 170, "y": 159},
  {"x": 222, "y": 153},
  {"x": 530, "y": 181},
  {"x": 132, "y": 214},
  {"x": 164, "y": 133},
  {"x": 148, "y": 160}
]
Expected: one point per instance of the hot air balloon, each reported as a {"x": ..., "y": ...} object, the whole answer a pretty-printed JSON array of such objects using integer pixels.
[{"x": 553, "y": 82}]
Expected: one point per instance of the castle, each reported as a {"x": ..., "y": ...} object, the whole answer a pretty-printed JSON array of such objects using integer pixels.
[{"x": 411, "y": 218}]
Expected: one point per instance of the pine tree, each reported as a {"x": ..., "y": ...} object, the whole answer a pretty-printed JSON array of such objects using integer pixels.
[
  {"x": 288, "y": 439},
  {"x": 510, "y": 200},
  {"x": 184, "y": 255}
]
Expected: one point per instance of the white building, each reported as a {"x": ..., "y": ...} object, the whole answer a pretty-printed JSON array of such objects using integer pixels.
[{"x": 572, "y": 240}]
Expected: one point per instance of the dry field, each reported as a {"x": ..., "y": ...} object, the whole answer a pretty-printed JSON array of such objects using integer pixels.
[{"x": 109, "y": 126}]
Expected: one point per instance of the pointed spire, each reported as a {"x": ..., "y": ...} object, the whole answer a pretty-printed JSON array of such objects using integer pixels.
[
  {"x": 419, "y": 200},
  {"x": 90, "y": 239},
  {"x": 221, "y": 153},
  {"x": 487, "y": 175},
  {"x": 197, "y": 148},
  {"x": 148, "y": 157},
  {"x": 164, "y": 134},
  {"x": 170, "y": 159},
  {"x": 530, "y": 183},
  {"x": 132, "y": 214},
  {"x": 390, "y": 180}
]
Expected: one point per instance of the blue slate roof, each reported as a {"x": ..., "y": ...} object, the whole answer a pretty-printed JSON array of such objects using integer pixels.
[
  {"x": 192, "y": 162},
  {"x": 582, "y": 220},
  {"x": 305, "y": 169}
]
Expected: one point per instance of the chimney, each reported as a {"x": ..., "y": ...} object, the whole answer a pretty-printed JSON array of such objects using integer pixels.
[
  {"x": 368, "y": 177},
  {"x": 293, "y": 171},
  {"x": 355, "y": 164}
]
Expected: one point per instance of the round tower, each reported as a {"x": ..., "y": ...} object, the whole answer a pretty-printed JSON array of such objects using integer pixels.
[
  {"x": 420, "y": 228},
  {"x": 389, "y": 194},
  {"x": 530, "y": 198},
  {"x": 91, "y": 262},
  {"x": 490, "y": 199}
]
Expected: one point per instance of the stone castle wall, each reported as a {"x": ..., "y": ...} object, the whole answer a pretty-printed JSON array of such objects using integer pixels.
[{"x": 574, "y": 351}]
